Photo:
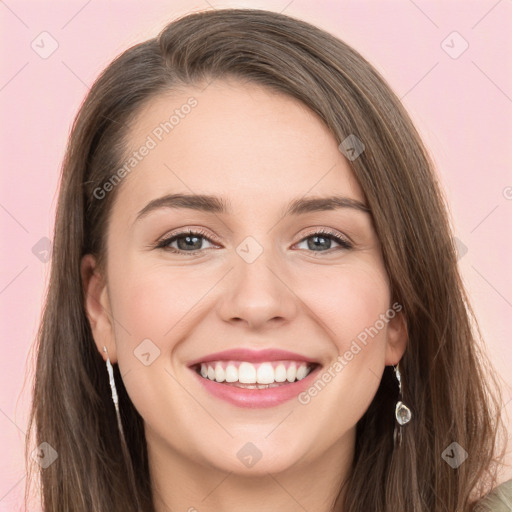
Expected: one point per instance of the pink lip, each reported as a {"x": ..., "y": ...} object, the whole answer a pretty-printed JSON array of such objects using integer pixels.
[
  {"x": 258, "y": 398},
  {"x": 252, "y": 356}
]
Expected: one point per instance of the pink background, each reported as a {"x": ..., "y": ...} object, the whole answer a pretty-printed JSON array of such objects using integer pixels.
[{"x": 462, "y": 107}]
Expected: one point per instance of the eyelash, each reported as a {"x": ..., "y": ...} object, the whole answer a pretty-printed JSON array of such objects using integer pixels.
[{"x": 163, "y": 244}]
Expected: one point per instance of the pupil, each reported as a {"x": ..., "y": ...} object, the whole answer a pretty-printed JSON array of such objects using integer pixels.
[
  {"x": 189, "y": 244},
  {"x": 315, "y": 244}
]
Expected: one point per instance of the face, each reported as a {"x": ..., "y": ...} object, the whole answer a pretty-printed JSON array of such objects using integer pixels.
[{"x": 288, "y": 308}]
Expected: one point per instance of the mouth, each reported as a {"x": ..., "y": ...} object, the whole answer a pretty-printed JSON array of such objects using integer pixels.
[
  {"x": 247, "y": 375},
  {"x": 255, "y": 379}
]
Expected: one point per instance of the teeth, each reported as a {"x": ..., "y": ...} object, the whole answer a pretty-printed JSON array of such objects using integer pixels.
[
  {"x": 265, "y": 374},
  {"x": 301, "y": 372},
  {"x": 220, "y": 374},
  {"x": 246, "y": 373},
  {"x": 280, "y": 373},
  {"x": 259, "y": 374},
  {"x": 291, "y": 373},
  {"x": 231, "y": 373}
]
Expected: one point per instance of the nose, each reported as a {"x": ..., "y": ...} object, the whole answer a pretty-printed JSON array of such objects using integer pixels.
[{"x": 258, "y": 294}]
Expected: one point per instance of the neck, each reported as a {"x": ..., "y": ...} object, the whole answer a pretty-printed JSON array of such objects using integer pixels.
[{"x": 180, "y": 483}]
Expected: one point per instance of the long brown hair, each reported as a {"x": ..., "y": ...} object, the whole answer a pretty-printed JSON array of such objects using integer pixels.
[{"x": 450, "y": 387}]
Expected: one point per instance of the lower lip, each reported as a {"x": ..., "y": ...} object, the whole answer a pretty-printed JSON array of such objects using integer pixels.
[{"x": 258, "y": 398}]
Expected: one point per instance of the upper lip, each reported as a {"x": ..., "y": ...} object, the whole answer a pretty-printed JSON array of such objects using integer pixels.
[{"x": 253, "y": 356}]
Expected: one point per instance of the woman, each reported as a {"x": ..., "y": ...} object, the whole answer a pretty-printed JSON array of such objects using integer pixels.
[{"x": 261, "y": 371}]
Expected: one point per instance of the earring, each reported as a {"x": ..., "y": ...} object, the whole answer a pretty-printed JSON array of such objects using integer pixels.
[
  {"x": 115, "y": 398},
  {"x": 124, "y": 445},
  {"x": 402, "y": 413}
]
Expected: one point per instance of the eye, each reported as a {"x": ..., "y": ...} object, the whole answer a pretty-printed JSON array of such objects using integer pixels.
[
  {"x": 323, "y": 238},
  {"x": 187, "y": 242}
]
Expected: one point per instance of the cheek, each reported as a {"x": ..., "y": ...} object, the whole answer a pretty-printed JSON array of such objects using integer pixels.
[
  {"x": 155, "y": 307},
  {"x": 153, "y": 302},
  {"x": 352, "y": 307},
  {"x": 152, "y": 308},
  {"x": 347, "y": 300}
]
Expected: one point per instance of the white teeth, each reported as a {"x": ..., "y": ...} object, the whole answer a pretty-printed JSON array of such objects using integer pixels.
[
  {"x": 265, "y": 374},
  {"x": 220, "y": 374},
  {"x": 246, "y": 373},
  {"x": 301, "y": 372},
  {"x": 231, "y": 373},
  {"x": 259, "y": 374},
  {"x": 280, "y": 373},
  {"x": 291, "y": 373}
]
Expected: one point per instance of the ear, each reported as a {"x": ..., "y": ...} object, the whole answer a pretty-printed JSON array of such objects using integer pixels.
[
  {"x": 97, "y": 307},
  {"x": 396, "y": 340}
]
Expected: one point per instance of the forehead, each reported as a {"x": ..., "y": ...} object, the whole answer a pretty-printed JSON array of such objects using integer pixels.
[{"x": 237, "y": 140}]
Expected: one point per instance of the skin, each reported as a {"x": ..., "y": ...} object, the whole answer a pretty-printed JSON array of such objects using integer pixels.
[{"x": 259, "y": 149}]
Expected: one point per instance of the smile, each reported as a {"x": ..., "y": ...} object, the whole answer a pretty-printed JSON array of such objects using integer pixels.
[
  {"x": 248, "y": 375},
  {"x": 255, "y": 379}
]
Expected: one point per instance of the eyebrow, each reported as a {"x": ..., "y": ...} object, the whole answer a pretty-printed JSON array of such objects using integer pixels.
[{"x": 215, "y": 204}]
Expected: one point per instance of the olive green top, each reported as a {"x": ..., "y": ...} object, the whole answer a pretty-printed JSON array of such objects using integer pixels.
[{"x": 498, "y": 500}]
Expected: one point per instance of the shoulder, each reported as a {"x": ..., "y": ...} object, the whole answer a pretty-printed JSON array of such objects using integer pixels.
[{"x": 498, "y": 500}]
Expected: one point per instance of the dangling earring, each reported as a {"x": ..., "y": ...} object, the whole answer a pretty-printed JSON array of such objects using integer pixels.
[
  {"x": 402, "y": 413},
  {"x": 115, "y": 398},
  {"x": 124, "y": 445}
]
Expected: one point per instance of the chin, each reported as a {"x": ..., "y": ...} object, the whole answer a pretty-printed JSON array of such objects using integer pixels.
[{"x": 257, "y": 457}]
